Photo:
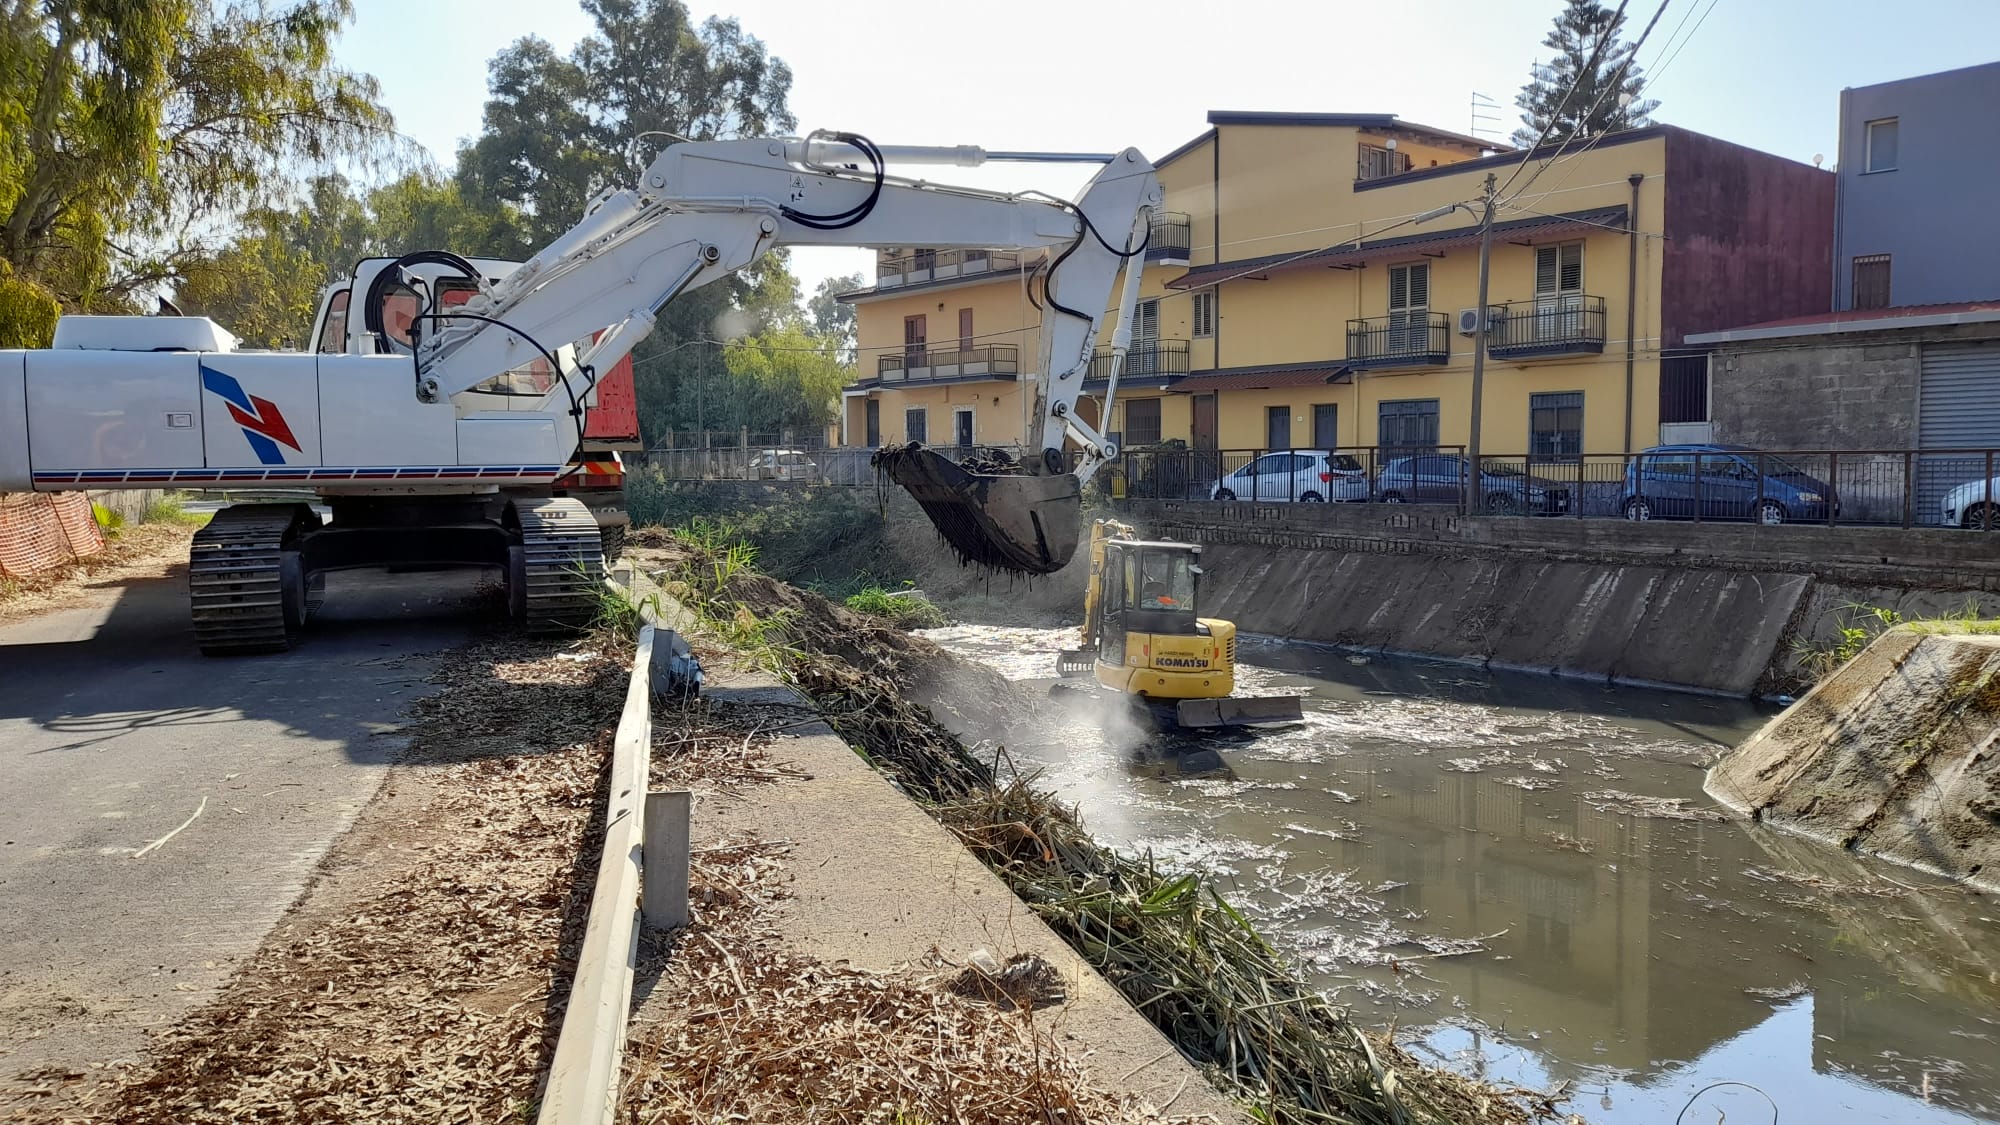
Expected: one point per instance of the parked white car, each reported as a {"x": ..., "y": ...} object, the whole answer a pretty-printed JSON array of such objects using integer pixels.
[
  {"x": 782, "y": 464},
  {"x": 1312, "y": 476},
  {"x": 1965, "y": 505}
]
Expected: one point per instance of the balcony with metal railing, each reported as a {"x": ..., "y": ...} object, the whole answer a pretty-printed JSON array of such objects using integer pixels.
[
  {"x": 1171, "y": 239},
  {"x": 920, "y": 266},
  {"x": 937, "y": 365},
  {"x": 1148, "y": 359},
  {"x": 1560, "y": 325},
  {"x": 1404, "y": 339}
]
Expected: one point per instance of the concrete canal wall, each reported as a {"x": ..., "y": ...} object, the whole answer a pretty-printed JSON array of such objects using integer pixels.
[
  {"x": 1721, "y": 608},
  {"x": 1712, "y": 607},
  {"x": 1893, "y": 755}
]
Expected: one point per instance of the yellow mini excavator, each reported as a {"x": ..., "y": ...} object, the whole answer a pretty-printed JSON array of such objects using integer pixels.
[{"x": 1142, "y": 637}]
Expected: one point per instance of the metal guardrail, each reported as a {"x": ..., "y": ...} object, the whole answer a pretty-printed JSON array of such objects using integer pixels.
[
  {"x": 1837, "y": 488},
  {"x": 645, "y": 844}
]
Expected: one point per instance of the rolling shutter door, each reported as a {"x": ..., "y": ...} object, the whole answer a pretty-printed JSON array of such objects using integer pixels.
[{"x": 1958, "y": 407}]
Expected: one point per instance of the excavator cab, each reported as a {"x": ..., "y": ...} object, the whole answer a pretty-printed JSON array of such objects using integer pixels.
[{"x": 1143, "y": 636}]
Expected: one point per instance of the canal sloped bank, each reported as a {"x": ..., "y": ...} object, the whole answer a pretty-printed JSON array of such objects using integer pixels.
[
  {"x": 1722, "y": 608},
  {"x": 1891, "y": 755}
]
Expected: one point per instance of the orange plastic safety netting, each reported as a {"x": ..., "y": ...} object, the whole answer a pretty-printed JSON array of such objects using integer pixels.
[{"x": 41, "y": 531}]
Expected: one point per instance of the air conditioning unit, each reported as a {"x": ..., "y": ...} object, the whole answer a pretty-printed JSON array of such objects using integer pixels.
[{"x": 1469, "y": 320}]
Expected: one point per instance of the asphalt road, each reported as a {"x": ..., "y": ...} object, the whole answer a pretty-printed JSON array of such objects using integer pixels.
[{"x": 114, "y": 731}]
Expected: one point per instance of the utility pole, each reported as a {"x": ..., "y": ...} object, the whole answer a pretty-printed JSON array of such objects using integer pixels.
[{"x": 1479, "y": 342}]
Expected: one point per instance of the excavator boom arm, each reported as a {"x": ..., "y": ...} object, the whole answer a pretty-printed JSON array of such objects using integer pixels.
[{"x": 703, "y": 211}]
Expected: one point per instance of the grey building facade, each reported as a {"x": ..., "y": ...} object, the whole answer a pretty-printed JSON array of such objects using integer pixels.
[{"x": 1917, "y": 204}]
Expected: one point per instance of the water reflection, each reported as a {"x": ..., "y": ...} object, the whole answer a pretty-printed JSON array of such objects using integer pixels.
[{"x": 1528, "y": 867}]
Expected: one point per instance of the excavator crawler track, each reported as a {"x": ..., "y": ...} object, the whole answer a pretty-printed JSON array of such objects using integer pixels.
[
  {"x": 244, "y": 596},
  {"x": 561, "y": 574}
]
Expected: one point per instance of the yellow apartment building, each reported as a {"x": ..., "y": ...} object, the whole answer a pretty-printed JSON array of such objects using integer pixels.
[{"x": 1303, "y": 290}]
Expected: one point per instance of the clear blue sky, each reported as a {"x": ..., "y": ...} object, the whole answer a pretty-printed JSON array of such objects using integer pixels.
[{"x": 1090, "y": 75}]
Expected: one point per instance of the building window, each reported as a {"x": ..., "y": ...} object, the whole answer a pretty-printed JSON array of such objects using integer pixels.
[
  {"x": 1683, "y": 388},
  {"x": 1558, "y": 269},
  {"x": 1142, "y": 421},
  {"x": 916, "y": 424},
  {"x": 1555, "y": 426},
  {"x": 1372, "y": 162},
  {"x": 961, "y": 427},
  {"x": 964, "y": 331},
  {"x": 1277, "y": 427},
  {"x": 915, "y": 336},
  {"x": 1882, "y": 143},
  {"x": 1409, "y": 308},
  {"x": 1871, "y": 281},
  {"x": 1407, "y": 426},
  {"x": 1326, "y": 425},
  {"x": 1204, "y": 314},
  {"x": 874, "y": 422}
]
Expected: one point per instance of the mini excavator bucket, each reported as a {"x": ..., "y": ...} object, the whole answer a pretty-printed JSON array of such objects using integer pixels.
[{"x": 992, "y": 512}]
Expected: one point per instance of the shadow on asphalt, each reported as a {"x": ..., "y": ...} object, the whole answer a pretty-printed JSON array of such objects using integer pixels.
[{"x": 137, "y": 671}]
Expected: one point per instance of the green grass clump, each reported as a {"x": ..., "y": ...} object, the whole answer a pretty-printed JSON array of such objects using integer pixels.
[
  {"x": 906, "y": 609},
  {"x": 172, "y": 508}
]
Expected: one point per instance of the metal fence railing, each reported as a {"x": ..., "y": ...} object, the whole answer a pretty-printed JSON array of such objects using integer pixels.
[
  {"x": 1848, "y": 487},
  {"x": 1918, "y": 488}
]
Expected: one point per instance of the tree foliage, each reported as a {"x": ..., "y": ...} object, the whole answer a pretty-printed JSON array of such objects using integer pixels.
[
  {"x": 28, "y": 312},
  {"x": 560, "y": 129},
  {"x": 128, "y": 127},
  {"x": 1608, "y": 85},
  {"x": 264, "y": 286},
  {"x": 783, "y": 378},
  {"x": 832, "y": 317}
]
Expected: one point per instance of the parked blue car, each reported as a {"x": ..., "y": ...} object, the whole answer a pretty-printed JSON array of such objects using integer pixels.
[{"x": 1661, "y": 483}]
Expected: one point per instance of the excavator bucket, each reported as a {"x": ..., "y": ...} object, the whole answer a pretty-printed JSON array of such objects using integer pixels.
[
  {"x": 1238, "y": 712},
  {"x": 991, "y": 512}
]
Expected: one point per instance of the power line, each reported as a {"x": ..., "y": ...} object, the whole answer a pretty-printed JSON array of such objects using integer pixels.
[
  {"x": 1576, "y": 83},
  {"x": 1617, "y": 80},
  {"x": 1660, "y": 68}
]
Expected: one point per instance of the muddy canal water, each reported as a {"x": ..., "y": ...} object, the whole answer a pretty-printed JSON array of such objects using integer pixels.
[{"x": 1525, "y": 873}]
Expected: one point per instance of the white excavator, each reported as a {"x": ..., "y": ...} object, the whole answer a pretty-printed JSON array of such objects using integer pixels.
[{"x": 444, "y": 406}]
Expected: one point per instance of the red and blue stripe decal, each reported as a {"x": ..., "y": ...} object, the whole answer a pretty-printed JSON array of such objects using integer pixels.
[{"x": 263, "y": 423}]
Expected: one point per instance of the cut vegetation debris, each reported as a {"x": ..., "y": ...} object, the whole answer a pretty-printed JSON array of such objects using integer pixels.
[
  {"x": 759, "y": 1031},
  {"x": 135, "y": 552},
  {"x": 412, "y": 983},
  {"x": 1178, "y": 952}
]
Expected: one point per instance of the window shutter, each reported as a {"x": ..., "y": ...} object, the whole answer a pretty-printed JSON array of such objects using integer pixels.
[
  {"x": 1420, "y": 287},
  {"x": 1399, "y": 287},
  {"x": 1572, "y": 268},
  {"x": 1546, "y": 268}
]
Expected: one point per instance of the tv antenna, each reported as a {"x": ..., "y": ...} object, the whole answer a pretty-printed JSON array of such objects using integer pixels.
[{"x": 1484, "y": 122}]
